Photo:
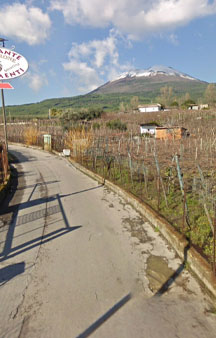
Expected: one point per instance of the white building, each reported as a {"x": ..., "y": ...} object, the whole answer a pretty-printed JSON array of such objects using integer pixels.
[
  {"x": 204, "y": 106},
  {"x": 149, "y": 108},
  {"x": 148, "y": 129},
  {"x": 193, "y": 107}
]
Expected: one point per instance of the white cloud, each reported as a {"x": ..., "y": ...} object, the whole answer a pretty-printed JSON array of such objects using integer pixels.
[
  {"x": 136, "y": 18},
  {"x": 94, "y": 62},
  {"x": 35, "y": 80},
  {"x": 86, "y": 76},
  {"x": 34, "y": 77},
  {"x": 28, "y": 24}
]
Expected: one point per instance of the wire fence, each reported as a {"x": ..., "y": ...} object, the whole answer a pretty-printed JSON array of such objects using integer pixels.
[{"x": 175, "y": 177}]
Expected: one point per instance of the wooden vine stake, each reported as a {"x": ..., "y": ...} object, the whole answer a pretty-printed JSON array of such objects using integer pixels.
[
  {"x": 214, "y": 246},
  {"x": 181, "y": 183},
  {"x": 160, "y": 178},
  {"x": 204, "y": 197}
]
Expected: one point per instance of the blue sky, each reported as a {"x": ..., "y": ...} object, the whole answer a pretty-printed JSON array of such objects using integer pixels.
[{"x": 73, "y": 46}]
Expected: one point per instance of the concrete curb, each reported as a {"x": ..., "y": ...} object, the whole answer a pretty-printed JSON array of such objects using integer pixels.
[{"x": 189, "y": 255}]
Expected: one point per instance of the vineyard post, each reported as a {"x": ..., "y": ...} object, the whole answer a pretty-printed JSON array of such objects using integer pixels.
[
  {"x": 160, "y": 178},
  {"x": 158, "y": 190},
  {"x": 184, "y": 212},
  {"x": 214, "y": 243},
  {"x": 204, "y": 196},
  {"x": 181, "y": 183},
  {"x": 145, "y": 174},
  {"x": 130, "y": 166}
]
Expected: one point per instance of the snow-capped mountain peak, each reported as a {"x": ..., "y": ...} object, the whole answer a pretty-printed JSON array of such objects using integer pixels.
[{"x": 153, "y": 71}]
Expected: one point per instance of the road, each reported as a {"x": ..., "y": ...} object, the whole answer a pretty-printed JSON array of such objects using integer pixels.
[{"x": 77, "y": 261}]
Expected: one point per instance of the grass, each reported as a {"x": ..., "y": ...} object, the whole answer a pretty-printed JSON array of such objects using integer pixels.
[{"x": 199, "y": 231}]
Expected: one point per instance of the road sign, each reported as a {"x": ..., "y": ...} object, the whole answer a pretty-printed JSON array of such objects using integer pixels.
[
  {"x": 12, "y": 64},
  {"x": 6, "y": 85}
]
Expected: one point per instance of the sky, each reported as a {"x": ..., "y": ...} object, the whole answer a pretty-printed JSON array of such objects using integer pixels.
[{"x": 74, "y": 46}]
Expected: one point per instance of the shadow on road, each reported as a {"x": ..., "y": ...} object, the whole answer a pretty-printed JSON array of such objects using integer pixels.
[
  {"x": 81, "y": 191},
  {"x": 105, "y": 317},
  {"x": 11, "y": 271},
  {"x": 38, "y": 241},
  {"x": 42, "y": 213},
  {"x": 19, "y": 157},
  {"x": 13, "y": 220},
  {"x": 164, "y": 288}
]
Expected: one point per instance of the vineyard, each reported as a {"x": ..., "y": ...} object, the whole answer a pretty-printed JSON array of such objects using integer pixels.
[{"x": 175, "y": 177}]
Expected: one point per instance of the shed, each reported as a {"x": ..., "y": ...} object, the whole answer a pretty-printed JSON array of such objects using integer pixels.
[
  {"x": 170, "y": 133},
  {"x": 149, "y": 108}
]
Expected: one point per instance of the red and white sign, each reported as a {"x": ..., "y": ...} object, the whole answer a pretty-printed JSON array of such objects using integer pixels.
[
  {"x": 12, "y": 64},
  {"x": 6, "y": 85}
]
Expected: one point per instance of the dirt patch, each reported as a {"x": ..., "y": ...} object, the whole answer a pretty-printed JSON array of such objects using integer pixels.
[{"x": 135, "y": 227}]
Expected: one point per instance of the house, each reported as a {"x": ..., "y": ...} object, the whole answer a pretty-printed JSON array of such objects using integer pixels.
[
  {"x": 148, "y": 128},
  {"x": 193, "y": 107},
  {"x": 149, "y": 108},
  {"x": 171, "y": 133}
]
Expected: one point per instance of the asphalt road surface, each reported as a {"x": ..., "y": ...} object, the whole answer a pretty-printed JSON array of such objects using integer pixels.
[{"x": 77, "y": 261}]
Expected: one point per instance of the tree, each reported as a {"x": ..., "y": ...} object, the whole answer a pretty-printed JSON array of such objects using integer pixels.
[
  {"x": 134, "y": 102},
  {"x": 166, "y": 95},
  {"x": 210, "y": 93},
  {"x": 187, "y": 97},
  {"x": 55, "y": 112},
  {"x": 174, "y": 104},
  {"x": 122, "y": 107}
]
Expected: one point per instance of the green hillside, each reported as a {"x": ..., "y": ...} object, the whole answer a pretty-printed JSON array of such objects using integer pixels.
[{"x": 111, "y": 95}]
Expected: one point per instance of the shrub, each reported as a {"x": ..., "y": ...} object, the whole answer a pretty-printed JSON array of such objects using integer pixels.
[
  {"x": 78, "y": 140},
  {"x": 116, "y": 124},
  {"x": 68, "y": 117},
  {"x": 174, "y": 104},
  {"x": 31, "y": 135},
  {"x": 96, "y": 125}
]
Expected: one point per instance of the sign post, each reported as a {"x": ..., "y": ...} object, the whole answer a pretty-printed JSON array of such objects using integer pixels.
[
  {"x": 12, "y": 65},
  {"x": 4, "y": 119}
]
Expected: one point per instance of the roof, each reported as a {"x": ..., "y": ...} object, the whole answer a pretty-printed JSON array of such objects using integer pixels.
[
  {"x": 173, "y": 127},
  {"x": 150, "y": 124},
  {"x": 149, "y": 105}
]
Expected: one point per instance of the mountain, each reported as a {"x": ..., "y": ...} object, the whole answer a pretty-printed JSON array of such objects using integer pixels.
[
  {"x": 155, "y": 71},
  {"x": 151, "y": 80},
  {"x": 145, "y": 84}
]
